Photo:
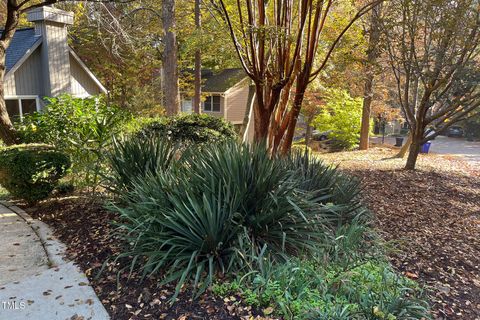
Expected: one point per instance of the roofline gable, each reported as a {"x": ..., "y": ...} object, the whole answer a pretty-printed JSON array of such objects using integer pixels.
[
  {"x": 236, "y": 84},
  {"x": 87, "y": 70},
  {"x": 229, "y": 88},
  {"x": 27, "y": 54}
]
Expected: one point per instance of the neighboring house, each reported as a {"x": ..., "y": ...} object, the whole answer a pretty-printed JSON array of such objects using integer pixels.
[
  {"x": 226, "y": 94},
  {"x": 39, "y": 63}
]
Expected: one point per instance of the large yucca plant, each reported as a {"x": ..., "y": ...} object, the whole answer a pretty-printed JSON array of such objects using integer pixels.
[
  {"x": 135, "y": 157},
  {"x": 209, "y": 211}
]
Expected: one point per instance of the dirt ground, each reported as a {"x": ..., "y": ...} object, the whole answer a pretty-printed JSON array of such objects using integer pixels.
[{"x": 430, "y": 219}]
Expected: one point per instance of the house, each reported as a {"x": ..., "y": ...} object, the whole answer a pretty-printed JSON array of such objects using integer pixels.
[
  {"x": 40, "y": 63},
  {"x": 226, "y": 94}
]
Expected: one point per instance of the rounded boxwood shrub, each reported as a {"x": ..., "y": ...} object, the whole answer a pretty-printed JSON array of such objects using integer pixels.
[
  {"x": 31, "y": 171},
  {"x": 197, "y": 128}
]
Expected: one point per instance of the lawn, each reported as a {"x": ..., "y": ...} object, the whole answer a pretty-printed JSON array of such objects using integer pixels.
[{"x": 431, "y": 217}]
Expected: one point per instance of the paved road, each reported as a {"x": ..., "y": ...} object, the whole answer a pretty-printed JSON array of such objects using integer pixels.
[{"x": 468, "y": 150}]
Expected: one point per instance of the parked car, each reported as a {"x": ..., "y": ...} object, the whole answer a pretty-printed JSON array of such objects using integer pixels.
[
  {"x": 455, "y": 131},
  {"x": 429, "y": 133},
  {"x": 320, "y": 136}
]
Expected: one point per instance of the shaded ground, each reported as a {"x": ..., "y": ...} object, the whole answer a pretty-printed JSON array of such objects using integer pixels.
[
  {"x": 432, "y": 218},
  {"x": 84, "y": 225}
]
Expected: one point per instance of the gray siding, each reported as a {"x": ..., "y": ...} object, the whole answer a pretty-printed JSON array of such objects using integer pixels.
[
  {"x": 56, "y": 55},
  {"x": 9, "y": 85},
  {"x": 28, "y": 78},
  {"x": 82, "y": 83}
]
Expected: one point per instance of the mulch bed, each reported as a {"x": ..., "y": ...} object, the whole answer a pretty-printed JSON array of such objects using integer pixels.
[
  {"x": 431, "y": 217},
  {"x": 85, "y": 227}
]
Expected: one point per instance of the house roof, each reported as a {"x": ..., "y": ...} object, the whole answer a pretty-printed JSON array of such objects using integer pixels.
[
  {"x": 223, "y": 80},
  {"x": 22, "y": 41}
]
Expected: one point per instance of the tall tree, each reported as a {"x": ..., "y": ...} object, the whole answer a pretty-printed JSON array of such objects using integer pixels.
[
  {"x": 277, "y": 42},
  {"x": 372, "y": 55},
  {"x": 434, "y": 56},
  {"x": 170, "y": 58},
  {"x": 13, "y": 10},
  {"x": 120, "y": 42},
  {"x": 198, "y": 62}
]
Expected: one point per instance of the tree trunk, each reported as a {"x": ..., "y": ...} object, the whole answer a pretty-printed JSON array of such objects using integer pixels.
[
  {"x": 413, "y": 155},
  {"x": 403, "y": 151},
  {"x": 171, "y": 93},
  {"x": 198, "y": 63},
  {"x": 292, "y": 124},
  {"x": 7, "y": 131},
  {"x": 372, "y": 54},
  {"x": 308, "y": 134},
  {"x": 261, "y": 124}
]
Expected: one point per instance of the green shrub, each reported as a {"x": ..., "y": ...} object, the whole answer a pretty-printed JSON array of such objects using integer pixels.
[
  {"x": 197, "y": 128},
  {"x": 81, "y": 128},
  {"x": 64, "y": 188},
  {"x": 217, "y": 209},
  {"x": 31, "y": 172},
  {"x": 341, "y": 116}
]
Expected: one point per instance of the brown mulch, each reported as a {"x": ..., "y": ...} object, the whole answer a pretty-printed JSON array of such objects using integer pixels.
[
  {"x": 432, "y": 219},
  {"x": 85, "y": 227}
]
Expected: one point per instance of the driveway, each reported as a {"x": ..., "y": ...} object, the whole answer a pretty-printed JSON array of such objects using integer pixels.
[{"x": 468, "y": 150}]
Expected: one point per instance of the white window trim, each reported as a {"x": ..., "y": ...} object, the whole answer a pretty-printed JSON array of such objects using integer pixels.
[
  {"x": 24, "y": 97},
  {"x": 211, "y": 111}
]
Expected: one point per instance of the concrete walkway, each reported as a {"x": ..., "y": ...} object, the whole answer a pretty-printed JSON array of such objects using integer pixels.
[{"x": 36, "y": 282}]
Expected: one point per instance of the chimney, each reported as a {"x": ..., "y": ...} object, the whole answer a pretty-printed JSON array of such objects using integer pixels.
[{"x": 51, "y": 24}]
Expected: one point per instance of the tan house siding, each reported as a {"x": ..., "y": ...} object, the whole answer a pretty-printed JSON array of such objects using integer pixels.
[
  {"x": 237, "y": 98},
  {"x": 28, "y": 79},
  {"x": 82, "y": 83}
]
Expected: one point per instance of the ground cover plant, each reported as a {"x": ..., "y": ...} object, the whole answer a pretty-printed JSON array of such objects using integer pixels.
[
  {"x": 256, "y": 213},
  {"x": 436, "y": 239}
]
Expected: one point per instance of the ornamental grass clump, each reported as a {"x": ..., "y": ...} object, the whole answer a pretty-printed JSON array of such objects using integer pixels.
[{"x": 214, "y": 210}]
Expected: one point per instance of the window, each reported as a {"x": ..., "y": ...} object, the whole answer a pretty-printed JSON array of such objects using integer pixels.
[
  {"x": 187, "y": 106},
  {"x": 13, "y": 108},
  {"x": 29, "y": 106},
  {"x": 17, "y": 107},
  {"x": 212, "y": 104}
]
